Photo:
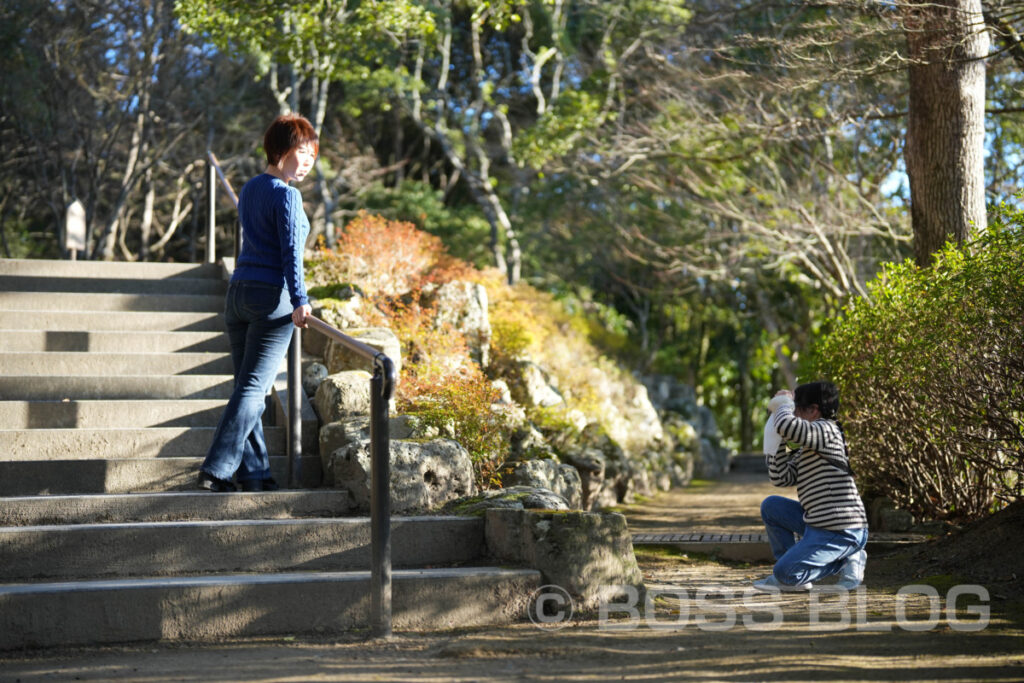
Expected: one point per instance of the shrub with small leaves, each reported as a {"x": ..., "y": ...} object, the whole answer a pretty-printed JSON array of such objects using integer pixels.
[
  {"x": 930, "y": 372},
  {"x": 458, "y": 405}
]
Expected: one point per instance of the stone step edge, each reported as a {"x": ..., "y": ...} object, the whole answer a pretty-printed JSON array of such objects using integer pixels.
[
  {"x": 211, "y": 608},
  {"x": 172, "y": 506},
  {"x": 262, "y": 578},
  {"x": 33, "y": 266},
  {"x": 131, "y": 475},
  {"x": 303, "y": 521}
]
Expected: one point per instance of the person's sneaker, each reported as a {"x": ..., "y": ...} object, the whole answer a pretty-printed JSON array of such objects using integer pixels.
[
  {"x": 769, "y": 584},
  {"x": 208, "y": 482},
  {"x": 852, "y": 572}
]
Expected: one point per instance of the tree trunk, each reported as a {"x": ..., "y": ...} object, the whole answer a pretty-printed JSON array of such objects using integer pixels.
[
  {"x": 745, "y": 398},
  {"x": 947, "y": 42},
  {"x": 786, "y": 365}
]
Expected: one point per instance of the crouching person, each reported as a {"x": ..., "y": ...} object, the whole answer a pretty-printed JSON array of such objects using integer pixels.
[{"x": 829, "y": 516}]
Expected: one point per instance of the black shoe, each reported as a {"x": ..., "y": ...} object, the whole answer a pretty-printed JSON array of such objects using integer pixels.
[
  {"x": 208, "y": 482},
  {"x": 252, "y": 485}
]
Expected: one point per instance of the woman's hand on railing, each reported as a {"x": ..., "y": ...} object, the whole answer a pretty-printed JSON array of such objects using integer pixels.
[{"x": 300, "y": 314}]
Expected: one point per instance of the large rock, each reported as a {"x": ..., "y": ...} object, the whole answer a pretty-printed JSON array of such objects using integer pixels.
[
  {"x": 589, "y": 555},
  {"x": 692, "y": 425},
  {"x": 336, "y": 435},
  {"x": 339, "y": 358},
  {"x": 340, "y": 311},
  {"x": 617, "y": 485},
  {"x": 527, "y": 443},
  {"x": 313, "y": 374},
  {"x": 463, "y": 305},
  {"x": 590, "y": 464},
  {"x": 509, "y": 498},
  {"x": 623, "y": 408},
  {"x": 424, "y": 476},
  {"x": 713, "y": 461},
  {"x": 533, "y": 387},
  {"x": 350, "y": 430},
  {"x": 549, "y": 474},
  {"x": 342, "y": 395}
]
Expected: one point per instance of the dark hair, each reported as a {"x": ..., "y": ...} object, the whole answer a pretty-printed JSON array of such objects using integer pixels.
[
  {"x": 823, "y": 394},
  {"x": 287, "y": 132}
]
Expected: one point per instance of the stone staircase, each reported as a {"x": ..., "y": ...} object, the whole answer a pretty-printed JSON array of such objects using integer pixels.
[{"x": 112, "y": 379}]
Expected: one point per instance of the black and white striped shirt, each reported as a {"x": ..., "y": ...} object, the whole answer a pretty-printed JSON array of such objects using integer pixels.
[{"x": 820, "y": 470}]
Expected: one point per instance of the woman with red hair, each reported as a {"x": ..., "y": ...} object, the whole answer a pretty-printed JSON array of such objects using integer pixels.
[{"x": 266, "y": 297}]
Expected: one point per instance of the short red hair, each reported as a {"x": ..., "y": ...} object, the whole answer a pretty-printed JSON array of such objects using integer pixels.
[{"x": 287, "y": 132}]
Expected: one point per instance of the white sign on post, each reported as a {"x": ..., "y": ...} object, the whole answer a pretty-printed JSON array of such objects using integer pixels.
[{"x": 74, "y": 228}]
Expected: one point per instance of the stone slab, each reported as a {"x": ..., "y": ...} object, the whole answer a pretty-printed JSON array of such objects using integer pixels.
[
  {"x": 126, "y": 475},
  {"x": 113, "y": 341},
  {"x": 209, "y": 608},
  {"x": 171, "y": 507},
  {"x": 83, "y": 551},
  {"x": 20, "y": 445}
]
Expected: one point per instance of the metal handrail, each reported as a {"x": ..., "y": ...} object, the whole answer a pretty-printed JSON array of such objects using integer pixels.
[
  {"x": 382, "y": 388},
  {"x": 223, "y": 178},
  {"x": 211, "y": 185}
]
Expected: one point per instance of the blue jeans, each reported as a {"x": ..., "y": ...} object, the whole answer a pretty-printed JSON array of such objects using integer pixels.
[
  {"x": 259, "y": 322},
  {"x": 819, "y": 553}
]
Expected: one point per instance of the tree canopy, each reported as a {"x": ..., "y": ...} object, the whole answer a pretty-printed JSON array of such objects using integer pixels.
[{"x": 711, "y": 180}]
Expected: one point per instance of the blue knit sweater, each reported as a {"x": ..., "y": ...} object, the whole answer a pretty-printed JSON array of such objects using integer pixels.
[{"x": 274, "y": 231}]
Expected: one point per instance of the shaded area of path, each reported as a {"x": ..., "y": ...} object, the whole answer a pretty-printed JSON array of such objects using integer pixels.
[{"x": 736, "y": 640}]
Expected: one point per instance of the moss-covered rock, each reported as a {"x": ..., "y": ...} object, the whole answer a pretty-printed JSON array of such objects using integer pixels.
[
  {"x": 590, "y": 555},
  {"x": 511, "y": 498}
]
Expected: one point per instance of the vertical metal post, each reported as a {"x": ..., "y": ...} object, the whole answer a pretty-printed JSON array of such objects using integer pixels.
[
  {"x": 295, "y": 410},
  {"x": 211, "y": 213},
  {"x": 380, "y": 506}
]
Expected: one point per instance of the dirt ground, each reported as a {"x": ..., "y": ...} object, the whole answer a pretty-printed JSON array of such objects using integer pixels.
[{"x": 701, "y": 623}]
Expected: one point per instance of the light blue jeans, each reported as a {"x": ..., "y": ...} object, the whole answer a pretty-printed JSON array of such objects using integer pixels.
[
  {"x": 819, "y": 553},
  {"x": 259, "y": 322}
]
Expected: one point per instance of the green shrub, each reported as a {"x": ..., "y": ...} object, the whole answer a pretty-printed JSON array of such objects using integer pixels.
[
  {"x": 930, "y": 371},
  {"x": 458, "y": 406}
]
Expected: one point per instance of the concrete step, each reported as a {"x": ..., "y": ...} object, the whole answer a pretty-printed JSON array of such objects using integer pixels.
[
  {"x": 172, "y": 507},
  {"x": 110, "y": 269},
  {"x": 128, "y": 362},
  {"x": 113, "y": 341},
  {"x": 208, "y": 608},
  {"x": 68, "y": 364},
  {"x": 103, "y": 414},
  {"x": 20, "y": 445},
  {"x": 126, "y": 475},
  {"x": 45, "y": 287},
  {"x": 92, "y": 551},
  {"x": 43, "y": 388},
  {"x": 31, "y": 301},
  {"x": 100, "y": 321}
]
